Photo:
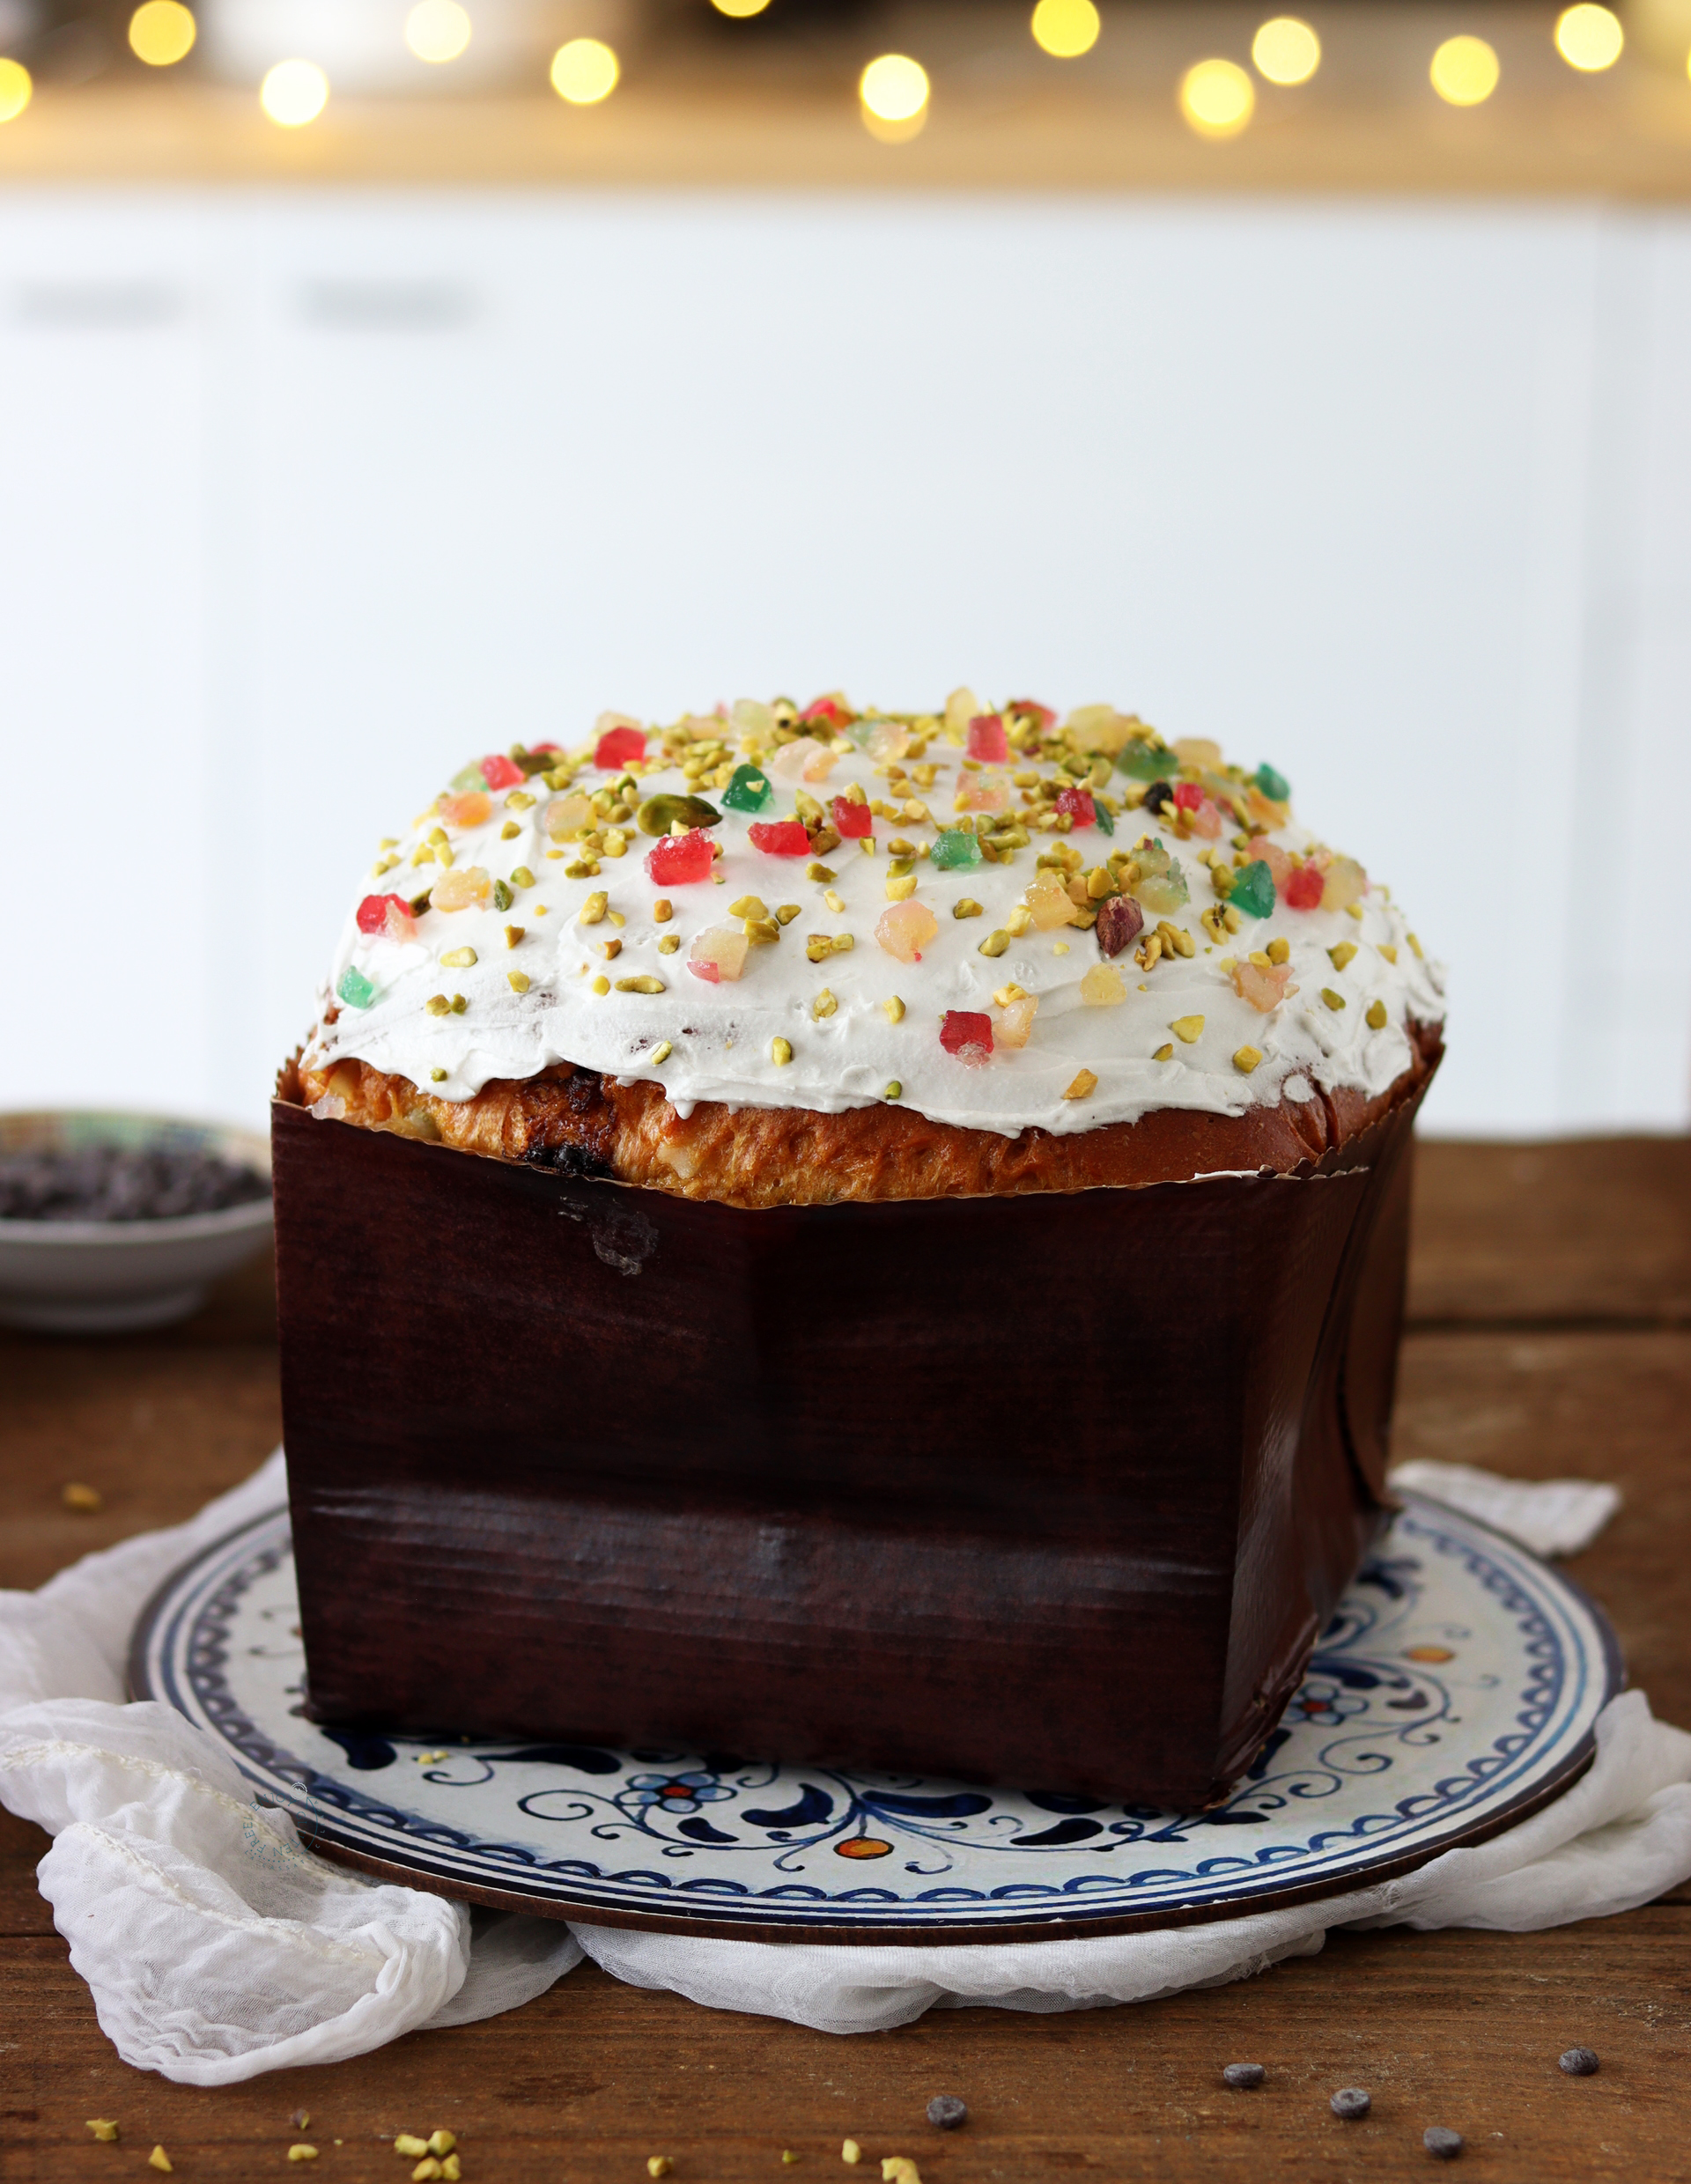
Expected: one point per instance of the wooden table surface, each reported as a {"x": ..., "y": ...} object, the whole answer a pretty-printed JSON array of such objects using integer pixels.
[{"x": 1552, "y": 1335}]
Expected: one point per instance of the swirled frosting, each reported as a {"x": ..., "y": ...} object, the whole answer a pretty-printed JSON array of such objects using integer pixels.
[{"x": 990, "y": 916}]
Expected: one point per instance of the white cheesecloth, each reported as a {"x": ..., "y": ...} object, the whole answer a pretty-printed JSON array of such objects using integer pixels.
[{"x": 216, "y": 1947}]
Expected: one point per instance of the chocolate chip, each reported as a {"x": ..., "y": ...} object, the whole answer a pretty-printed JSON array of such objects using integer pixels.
[
  {"x": 1350, "y": 2100},
  {"x": 1243, "y": 2075},
  {"x": 946, "y": 2112},
  {"x": 1157, "y": 796},
  {"x": 1441, "y": 2145},
  {"x": 1580, "y": 2062}
]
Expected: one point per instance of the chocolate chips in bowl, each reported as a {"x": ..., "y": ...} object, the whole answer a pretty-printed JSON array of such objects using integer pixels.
[{"x": 114, "y": 1222}]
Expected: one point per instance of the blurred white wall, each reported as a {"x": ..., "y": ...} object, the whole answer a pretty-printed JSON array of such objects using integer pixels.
[{"x": 306, "y": 498}]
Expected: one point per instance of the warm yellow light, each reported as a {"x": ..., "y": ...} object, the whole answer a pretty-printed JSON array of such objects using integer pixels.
[
  {"x": 739, "y": 8},
  {"x": 892, "y": 92},
  {"x": 437, "y": 30},
  {"x": 1217, "y": 97},
  {"x": 161, "y": 32},
  {"x": 15, "y": 89},
  {"x": 293, "y": 93},
  {"x": 1286, "y": 51},
  {"x": 1588, "y": 37},
  {"x": 585, "y": 71},
  {"x": 1465, "y": 71},
  {"x": 1066, "y": 28}
]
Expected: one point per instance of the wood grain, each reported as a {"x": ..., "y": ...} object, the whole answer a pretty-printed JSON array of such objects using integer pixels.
[{"x": 1553, "y": 1289}]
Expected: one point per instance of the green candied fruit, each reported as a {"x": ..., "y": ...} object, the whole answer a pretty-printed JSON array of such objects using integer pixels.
[
  {"x": 954, "y": 851},
  {"x": 1145, "y": 762},
  {"x": 1162, "y": 885},
  {"x": 1253, "y": 890},
  {"x": 1273, "y": 784},
  {"x": 748, "y": 791},
  {"x": 355, "y": 989},
  {"x": 471, "y": 778},
  {"x": 1104, "y": 817}
]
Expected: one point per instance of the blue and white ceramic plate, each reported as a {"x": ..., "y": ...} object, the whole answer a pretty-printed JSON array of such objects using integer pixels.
[{"x": 1454, "y": 1691}]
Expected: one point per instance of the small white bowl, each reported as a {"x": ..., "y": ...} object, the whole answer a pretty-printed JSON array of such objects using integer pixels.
[{"x": 105, "y": 1277}]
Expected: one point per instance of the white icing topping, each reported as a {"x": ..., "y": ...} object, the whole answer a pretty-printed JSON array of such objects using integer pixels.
[{"x": 721, "y": 1035}]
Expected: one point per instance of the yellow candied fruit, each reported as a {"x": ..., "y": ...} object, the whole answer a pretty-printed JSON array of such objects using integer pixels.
[
  {"x": 1246, "y": 1060},
  {"x": 602, "y": 985},
  {"x": 901, "y": 889},
  {"x": 1188, "y": 1030},
  {"x": 1085, "y": 1085}
]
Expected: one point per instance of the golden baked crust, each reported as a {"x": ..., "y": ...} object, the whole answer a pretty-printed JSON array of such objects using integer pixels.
[{"x": 580, "y": 1123}]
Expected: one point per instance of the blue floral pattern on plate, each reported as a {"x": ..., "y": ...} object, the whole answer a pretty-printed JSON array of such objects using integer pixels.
[{"x": 1455, "y": 1688}]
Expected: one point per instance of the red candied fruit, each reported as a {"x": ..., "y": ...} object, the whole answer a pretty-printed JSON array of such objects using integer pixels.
[
  {"x": 1187, "y": 796},
  {"x": 619, "y": 747},
  {"x": 372, "y": 911},
  {"x": 680, "y": 858},
  {"x": 986, "y": 740},
  {"x": 781, "y": 837},
  {"x": 1079, "y": 805},
  {"x": 852, "y": 819},
  {"x": 538, "y": 747},
  {"x": 1303, "y": 888},
  {"x": 826, "y": 709},
  {"x": 1042, "y": 715},
  {"x": 499, "y": 772},
  {"x": 967, "y": 1034}
]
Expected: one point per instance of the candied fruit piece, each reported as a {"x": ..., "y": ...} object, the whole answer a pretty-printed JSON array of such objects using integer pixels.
[
  {"x": 375, "y": 913},
  {"x": 500, "y": 772},
  {"x": 986, "y": 740},
  {"x": 1346, "y": 883},
  {"x": 780, "y": 837},
  {"x": 1166, "y": 891},
  {"x": 807, "y": 760},
  {"x": 968, "y": 1034},
  {"x": 1049, "y": 905},
  {"x": 567, "y": 815},
  {"x": 1102, "y": 986},
  {"x": 749, "y": 790},
  {"x": 466, "y": 887},
  {"x": 679, "y": 858},
  {"x": 974, "y": 795},
  {"x": 1146, "y": 762},
  {"x": 1204, "y": 821},
  {"x": 619, "y": 747},
  {"x": 1253, "y": 890},
  {"x": 1264, "y": 988},
  {"x": 1303, "y": 888},
  {"x": 831, "y": 709},
  {"x": 905, "y": 930},
  {"x": 1030, "y": 709},
  {"x": 355, "y": 989},
  {"x": 955, "y": 851},
  {"x": 472, "y": 810},
  {"x": 1280, "y": 866},
  {"x": 1015, "y": 1022},
  {"x": 851, "y": 819},
  {"x": 1120, "y": 922},
  {"x": 1273, "y": 784},
  {"x": 1079, "y": 805},
  {"x": 469, "y": 779},
  {"x": 1187, "y": 796},
  {"x": 718, "y": 953},
  {"x": 881, "y": 739}
]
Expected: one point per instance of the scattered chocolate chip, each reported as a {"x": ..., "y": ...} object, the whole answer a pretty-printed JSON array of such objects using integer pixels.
[
  {"x": 1580, "y": 2062},
  {"x": 1157, "y": 796},
  {"x": 945, "y": 2111},
  {"x": 1441, "y": 2145},
  {"x": 1243, "y": 2075},
  {"x": 1350, "y": 2100}
]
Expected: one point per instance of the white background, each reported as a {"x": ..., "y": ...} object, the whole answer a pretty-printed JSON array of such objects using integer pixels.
[{"x": 306, "y": 498}]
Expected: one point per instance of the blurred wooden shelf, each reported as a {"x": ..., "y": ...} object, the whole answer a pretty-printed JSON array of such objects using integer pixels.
[{"x": 1632, "y": 145}]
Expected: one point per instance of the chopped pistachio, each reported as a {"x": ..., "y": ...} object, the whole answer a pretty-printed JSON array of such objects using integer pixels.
[
  {"x": 748, "y": 906},
  {"x": 1415, "y": 945},
  {"x": 592, "y": 910},
  {"x": 1376, "y": 1016},
  {"x": 160, "y": 2160},
  {"x": 834, "y": 901},
  {"x": 1163, "y": 1054},
  {"x": 1085, "y": 1085},
  {"x": 522, "y": 877},
  {"x": 815, "y": 871},
  {"x": 780, "y": 1052},
  {"x": 301, "y": 2152},
  {"x": 893, "y": 1091},
  {"x": 610, "y": 949},
  {"x": 902, "y": 888},
  {"x": 1335, "y": 1001},
  {"x": 437, "y": 1076},
  {"x": 602, "y": 985},
  {"x": 1341, "y": 955},
  {"x": 1280, "y": 951},
  {"x": 895, "y": 1009},
  {"x": 662, "y": 911},
  {"x": 1006, "y": 994},
  {"x": 103, "y": 2129},
  {"x": 818, "y": 947},
  {"x": 514, "y": 933},
  {"x": 995, "y": 943},
  {"x": 645, "y": 984},
  {"x": 787, "y": 911},
  {"x": 966, "y": 906},
  {"x": 458, "y": 958},
  {"x": 517, "y": 980},
  {"x": 510, "y": 830},
  {"x": 842, "y": 944},
  {"x": 458, "y": 1004},
  {"x": 669, "y": 943},
  {"x": 1246, "y": 1060},
  {"x": 1188, "y": 1030},
  {"x": 519, "y": 800},
  {"x": 661, "y": 1051},
  {"x": 1353, "y": 909},
  {"x": 823, "y": 1004},
  {"x": 1388, "y": 951}
]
